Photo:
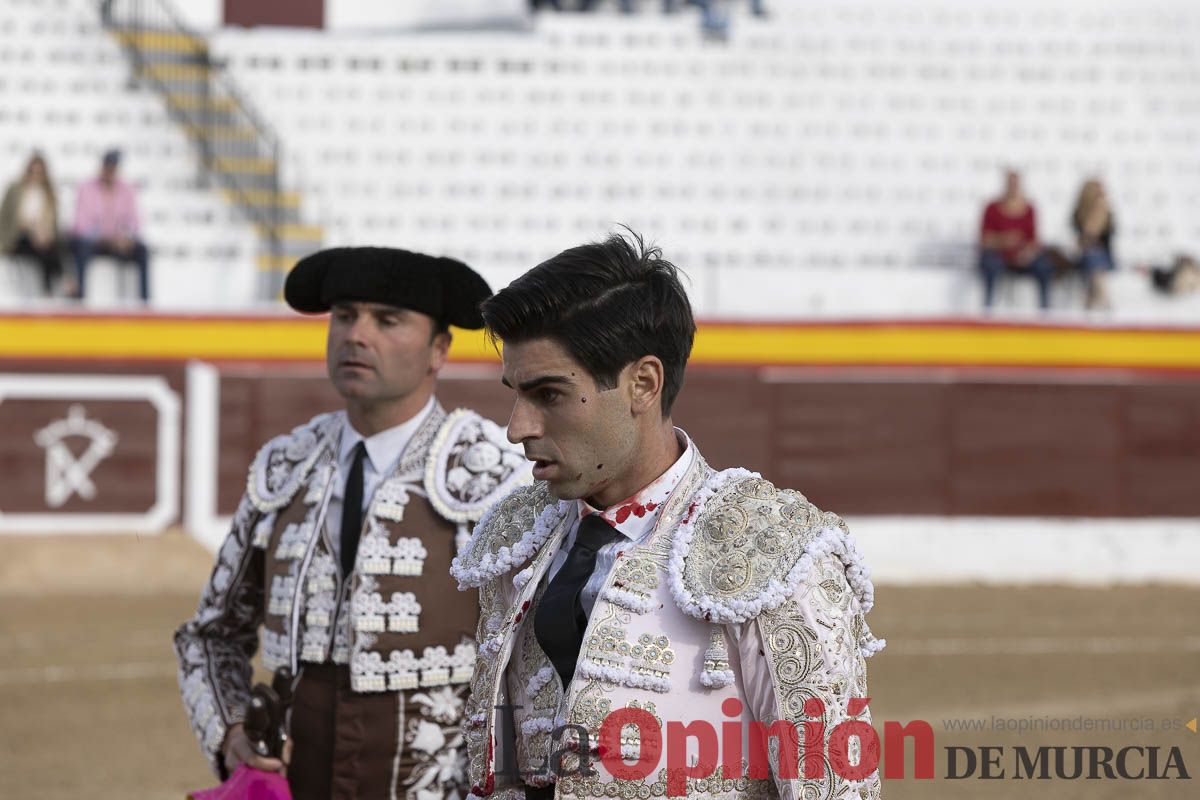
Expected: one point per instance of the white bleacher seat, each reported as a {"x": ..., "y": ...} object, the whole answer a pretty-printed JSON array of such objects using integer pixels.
[
  {"x": 837, "y": 153},
  {"x": 827, "y": 138},
  {"x": 111, "y": 284},
  {"x": 65, "y": 91},
  {"x": 20, "y": 281}
]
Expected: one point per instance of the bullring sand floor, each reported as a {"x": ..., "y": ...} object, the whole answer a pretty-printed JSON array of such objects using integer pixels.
[{"x": 91, "y": 708}]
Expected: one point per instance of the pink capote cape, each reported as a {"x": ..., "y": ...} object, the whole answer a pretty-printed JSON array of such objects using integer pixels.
[{"x": 247, "y": 784}]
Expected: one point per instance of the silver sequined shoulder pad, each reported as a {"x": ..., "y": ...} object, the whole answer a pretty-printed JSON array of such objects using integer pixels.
[
  {"x": 471, "y": 466},
  {"x": 283, "y": 464}
]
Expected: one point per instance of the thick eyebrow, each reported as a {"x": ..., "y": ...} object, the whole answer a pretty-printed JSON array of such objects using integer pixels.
[{"x": 536, "y": 382}]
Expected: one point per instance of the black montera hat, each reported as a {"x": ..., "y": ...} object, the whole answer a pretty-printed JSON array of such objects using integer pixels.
[{"x": 445, "y": 289}]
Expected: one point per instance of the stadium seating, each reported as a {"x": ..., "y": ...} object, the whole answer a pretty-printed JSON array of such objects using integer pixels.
[
  {"x": 838, "y": 153},
  {"x": 831, "y": 159},
  {"x": 66, "y": 91}
]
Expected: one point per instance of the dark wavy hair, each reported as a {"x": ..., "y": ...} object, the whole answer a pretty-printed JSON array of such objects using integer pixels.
[{"x": 608, "y": 304}]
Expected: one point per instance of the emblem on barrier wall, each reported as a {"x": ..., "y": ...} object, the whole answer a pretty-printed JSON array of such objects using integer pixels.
[
  {"x": 67, "y": 473},
  {"x": 89, "y": 453}
]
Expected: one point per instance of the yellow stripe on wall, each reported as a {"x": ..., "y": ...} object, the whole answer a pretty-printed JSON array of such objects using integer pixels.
[
  {"x": 933, "y": 344},
  {"x": 955, "y": 345},
  {"x": 162, "y": 338}
]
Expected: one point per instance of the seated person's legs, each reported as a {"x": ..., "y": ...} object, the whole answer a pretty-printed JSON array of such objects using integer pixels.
[
  {"x": 992, "y": 265},
  {"x": 1094, "y": 259},
  {"x": 125, "y": 252},
  {"x": 1093, "y": 263},
  {"x": 47, "y": 257},
  {"x": 82, "y": 248},
  {"x": 141, "y": 256},
  {"x": 1043, "y": 270}
]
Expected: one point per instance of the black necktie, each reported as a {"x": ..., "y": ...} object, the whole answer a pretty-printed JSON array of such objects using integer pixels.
[
  {"x": 352, "y": 500},
  {"x": 560, "y": 620}
]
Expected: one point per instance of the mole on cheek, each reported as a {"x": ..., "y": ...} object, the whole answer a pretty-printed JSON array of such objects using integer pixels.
[
  {"x": 599, "y": 466},
  {"x": 583, "y": 399}
]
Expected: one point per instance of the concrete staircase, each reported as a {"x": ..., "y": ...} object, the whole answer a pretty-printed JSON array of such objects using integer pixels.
[{"x": 239, "y": 151}]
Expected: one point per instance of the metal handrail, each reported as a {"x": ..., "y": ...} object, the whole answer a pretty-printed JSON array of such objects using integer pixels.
[{"x": 141, "y": 18}]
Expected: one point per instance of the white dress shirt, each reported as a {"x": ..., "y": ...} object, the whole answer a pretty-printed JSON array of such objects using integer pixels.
[
  {"x": 634, "y": 518},
  {"x": 384, "y": 450}
]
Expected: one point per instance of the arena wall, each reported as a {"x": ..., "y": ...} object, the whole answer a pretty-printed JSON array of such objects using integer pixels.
[{"x": 1058, "y": 427}]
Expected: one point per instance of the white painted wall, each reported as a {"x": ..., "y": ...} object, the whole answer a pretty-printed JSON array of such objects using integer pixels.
[
  {"x": 374, "y": 16},
  {"x": 205, "y": 16},
  {"x": 202, "y": 16}
]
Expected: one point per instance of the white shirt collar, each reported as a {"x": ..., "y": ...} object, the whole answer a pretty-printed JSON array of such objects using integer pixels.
[
  {"x": 634, "y": 517},
  {"x": 384, "y": 448}
]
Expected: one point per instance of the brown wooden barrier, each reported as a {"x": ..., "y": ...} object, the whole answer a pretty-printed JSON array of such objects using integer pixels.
[
  {"x": 873, "y": 443},
  {"x": 859, "y": 442}
]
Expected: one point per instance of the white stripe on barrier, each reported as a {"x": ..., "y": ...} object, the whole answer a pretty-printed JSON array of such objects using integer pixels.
[
  {"x": 1043, "y": 645},
  {"x": 1029, "y": 550},
  {"x": 202, "y": 430}
]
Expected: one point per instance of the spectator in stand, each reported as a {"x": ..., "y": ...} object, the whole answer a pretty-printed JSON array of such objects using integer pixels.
[
  {"x": 626, "y": 6},
  {"x": 1008, "y": 242},
  {"x": 1093, "y": 223},
  {"x": 106, "y": 223},
  {"x": 756, "y": 6},
  {"x": 29, "y": 220},
  {"x": 713, "y": 19}
]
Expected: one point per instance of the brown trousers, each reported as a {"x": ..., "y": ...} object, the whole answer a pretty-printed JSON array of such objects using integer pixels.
[{"x": 344, "y": 744}]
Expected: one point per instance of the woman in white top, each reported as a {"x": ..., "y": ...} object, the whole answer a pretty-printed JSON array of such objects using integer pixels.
[{"x": 29, "y": 220}]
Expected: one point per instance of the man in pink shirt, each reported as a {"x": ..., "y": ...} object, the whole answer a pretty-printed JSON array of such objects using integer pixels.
[{"x": 106, "y": 223}]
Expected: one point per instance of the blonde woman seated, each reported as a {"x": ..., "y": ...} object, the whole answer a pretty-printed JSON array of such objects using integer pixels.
[{"x": 1093, "y": 223}]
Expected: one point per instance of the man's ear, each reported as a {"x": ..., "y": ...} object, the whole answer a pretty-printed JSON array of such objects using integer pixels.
[
  {"x": 646, "y": 377},
  {"x": 440, "y": 350}
]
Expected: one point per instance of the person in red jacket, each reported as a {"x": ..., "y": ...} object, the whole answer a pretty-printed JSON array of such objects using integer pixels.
[{"x": 1008, "y": 242}]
